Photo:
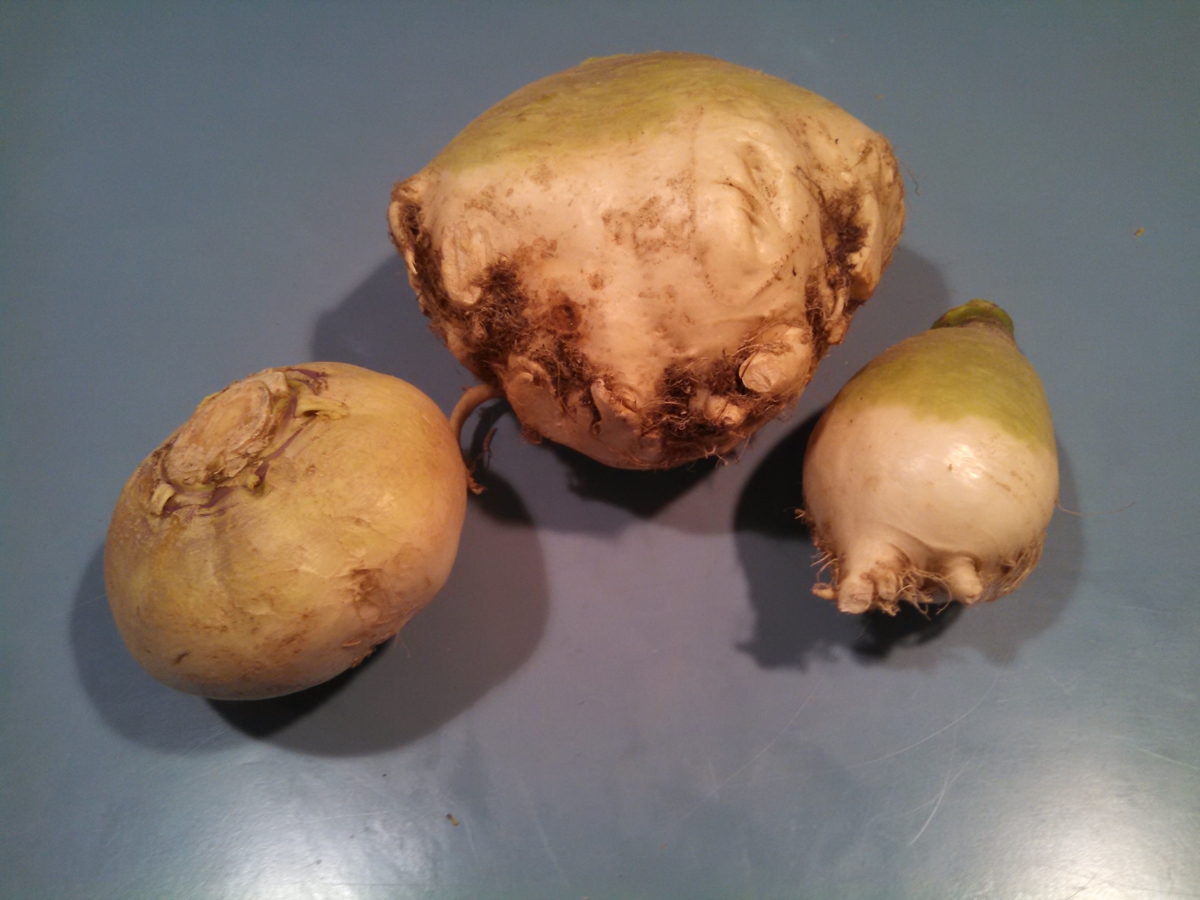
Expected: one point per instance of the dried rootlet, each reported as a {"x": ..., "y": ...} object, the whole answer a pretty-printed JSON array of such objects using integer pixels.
[
  {"x": 298, "y": 519},
  {"x": 933, "y": 474},
  {"x": 649, "y": 254}
]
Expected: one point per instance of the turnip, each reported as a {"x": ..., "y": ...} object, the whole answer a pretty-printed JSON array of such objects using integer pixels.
[
  {"x": 648, "y": 255},
  {"x": 297, "y": 520},
  {"x": 933, "y": 473}
]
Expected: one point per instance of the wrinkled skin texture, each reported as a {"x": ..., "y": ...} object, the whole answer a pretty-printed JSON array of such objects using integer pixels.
[
  {"x": 650, "y": 254},
  {"x": 295, "y": 522},
  {"x": 933, "y": 474}
]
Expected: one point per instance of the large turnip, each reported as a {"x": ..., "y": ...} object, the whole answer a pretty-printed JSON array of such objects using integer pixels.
[{"x": 648, "y": 255}]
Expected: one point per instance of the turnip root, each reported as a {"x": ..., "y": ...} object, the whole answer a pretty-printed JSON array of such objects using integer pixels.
[
  {"x": 648, "y": 255},
  {"x": 297, "y": 520},
  {"x": 934, "y": 473}
]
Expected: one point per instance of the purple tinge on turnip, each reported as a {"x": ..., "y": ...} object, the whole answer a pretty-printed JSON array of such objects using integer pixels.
[
  {"x": 933, "y": 474},
  {"x": 648, "y": 255}
]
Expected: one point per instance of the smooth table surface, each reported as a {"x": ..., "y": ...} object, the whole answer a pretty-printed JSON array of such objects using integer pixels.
[{"x": 626, "y": 689}]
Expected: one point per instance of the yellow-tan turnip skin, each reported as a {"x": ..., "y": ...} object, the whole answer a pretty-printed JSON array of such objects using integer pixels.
[
  {"x": 649, "y": 254},
  {"x": 343, "y": 525}
]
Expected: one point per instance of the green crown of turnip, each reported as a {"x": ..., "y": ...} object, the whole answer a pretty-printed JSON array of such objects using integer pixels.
[
  {"x": 648, "y": 255},
  {"x": 297, "y": 520},
  {"x": 934, "y": 471}
]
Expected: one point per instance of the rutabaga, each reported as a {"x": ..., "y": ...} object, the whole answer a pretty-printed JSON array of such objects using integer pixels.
[
  {"x": 649, "y": 254},
  {"x": 934, "y": 470},
  {"x": 297, "y": 520}
]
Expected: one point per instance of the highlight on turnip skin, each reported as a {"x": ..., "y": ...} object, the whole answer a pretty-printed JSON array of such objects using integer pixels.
[
  {"x": 297, "y": 520},
  {"x": 648, "y": 255},
  {"x": 933, "y": 474}
]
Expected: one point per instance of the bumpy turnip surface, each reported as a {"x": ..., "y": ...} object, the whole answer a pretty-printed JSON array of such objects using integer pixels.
[
  {"x": 649, "y": 254},
  {"x": 297, "y": 520},
  {"x": 933, "y": 474}
]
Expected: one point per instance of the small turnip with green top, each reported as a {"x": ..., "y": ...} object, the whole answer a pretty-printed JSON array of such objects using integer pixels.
[
  {"x": 933, "y": 474},
  {"x": 649, "y": 254}
]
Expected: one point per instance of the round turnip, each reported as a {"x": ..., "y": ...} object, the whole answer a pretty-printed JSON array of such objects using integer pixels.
[
  {"x": 297, "y": 520},
  {"x": 649, "y": 254},
  {"x": 934, "y": 471}
]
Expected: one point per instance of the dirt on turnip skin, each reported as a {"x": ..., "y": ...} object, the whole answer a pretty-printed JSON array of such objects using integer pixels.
[{"x": 658, "y": 274}]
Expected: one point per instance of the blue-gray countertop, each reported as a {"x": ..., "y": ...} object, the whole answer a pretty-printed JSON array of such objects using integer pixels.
[{"x": 626, "y": 689}]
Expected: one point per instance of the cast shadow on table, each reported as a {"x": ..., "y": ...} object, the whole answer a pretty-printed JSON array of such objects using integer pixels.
[
  {"x": 643, "y": 493},
  {"x": 567, "y": 491},
  {"x": 792, "y": 627}
]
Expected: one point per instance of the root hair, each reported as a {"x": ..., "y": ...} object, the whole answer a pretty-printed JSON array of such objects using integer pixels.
[{"x": 923, "y": 588}]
